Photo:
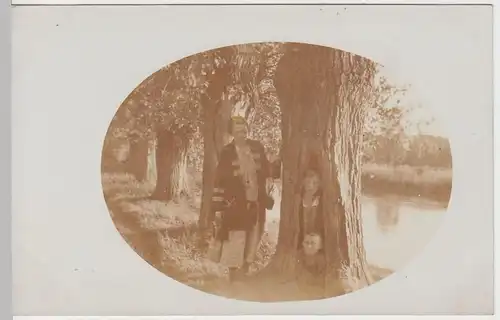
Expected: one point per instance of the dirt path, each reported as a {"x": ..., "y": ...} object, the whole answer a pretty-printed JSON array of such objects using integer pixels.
[{"x": 145, "y": 242}]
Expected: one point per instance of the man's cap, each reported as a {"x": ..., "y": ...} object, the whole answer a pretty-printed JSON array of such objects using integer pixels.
[{"x": 238, "y": 120}]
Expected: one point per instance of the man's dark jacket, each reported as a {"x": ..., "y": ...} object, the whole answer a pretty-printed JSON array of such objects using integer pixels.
[{"x": 229, "y": 195}]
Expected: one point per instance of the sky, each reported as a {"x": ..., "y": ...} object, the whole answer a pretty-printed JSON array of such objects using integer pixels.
[{"x": 419, "y": 116}]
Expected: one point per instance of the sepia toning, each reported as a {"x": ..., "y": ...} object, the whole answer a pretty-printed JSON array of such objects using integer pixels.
[{"x": 275, "y": 172}]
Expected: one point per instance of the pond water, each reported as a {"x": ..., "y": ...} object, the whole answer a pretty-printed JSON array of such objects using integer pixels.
[{"x": 395, "y": 230}]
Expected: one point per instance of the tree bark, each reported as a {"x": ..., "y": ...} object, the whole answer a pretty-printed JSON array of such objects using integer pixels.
[
  {"x": 171, "y": 159},
  {"x": 214, "y": 137},
  {"x": 322, "y": 130},
  {"x": 216, "y": 113}
]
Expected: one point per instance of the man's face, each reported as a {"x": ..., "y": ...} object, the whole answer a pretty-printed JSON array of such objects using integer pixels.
[
  {"x": 239, "y": 131},
  {"x": 311, "y": 244}
]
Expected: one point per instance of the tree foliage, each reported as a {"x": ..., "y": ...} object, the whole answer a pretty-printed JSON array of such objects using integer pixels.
[{"x": 172, "y": 98}]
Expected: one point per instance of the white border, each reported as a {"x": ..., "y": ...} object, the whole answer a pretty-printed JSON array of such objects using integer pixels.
[
  {"x": 402, "y": 317},
  {"x": 289, "y": 317},
  {"x": 241, "y": 2}
]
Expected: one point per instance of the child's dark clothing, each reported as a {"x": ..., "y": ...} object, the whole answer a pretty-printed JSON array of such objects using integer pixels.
[
  {"x": 311, "y": 274},
  {"x": 310, "y": 219}
]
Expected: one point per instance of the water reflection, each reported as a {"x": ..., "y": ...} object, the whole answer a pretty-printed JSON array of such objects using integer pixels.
[
  {"x": 396, "y": 230},
  {"x": 387, "y": 211}
]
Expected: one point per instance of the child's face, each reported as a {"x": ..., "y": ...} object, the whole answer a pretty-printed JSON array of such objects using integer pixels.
[
  {"x": 312, "y": 244},
  {"x": 311, "y": 183}
]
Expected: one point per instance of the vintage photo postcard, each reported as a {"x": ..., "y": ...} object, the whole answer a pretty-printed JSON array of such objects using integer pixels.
[{"x": 229, "y": 160}]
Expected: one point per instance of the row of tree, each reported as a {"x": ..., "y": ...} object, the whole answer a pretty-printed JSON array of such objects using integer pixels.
[
  {"x": 310, "y": 104},
  {"x": 417, "y": 151}
]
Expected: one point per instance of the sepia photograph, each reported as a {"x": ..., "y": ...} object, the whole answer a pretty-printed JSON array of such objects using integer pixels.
[{"x": 276, "y": 172}]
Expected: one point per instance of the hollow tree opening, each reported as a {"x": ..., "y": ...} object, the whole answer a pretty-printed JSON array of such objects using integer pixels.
[{"x": 322, "y": 93}]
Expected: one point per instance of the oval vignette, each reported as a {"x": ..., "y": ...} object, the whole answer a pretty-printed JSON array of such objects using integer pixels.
[{"x": 321, "y": 123}]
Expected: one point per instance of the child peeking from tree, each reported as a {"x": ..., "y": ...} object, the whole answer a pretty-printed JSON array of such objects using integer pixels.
[
  {"x": 310, "y": 206},
  {"x": 311, "y": 267},
  {"x": 311, "y": 258}
]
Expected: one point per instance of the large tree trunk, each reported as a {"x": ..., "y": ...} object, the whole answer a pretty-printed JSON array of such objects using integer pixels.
[
  {"x": 216, "y": 113},
  {"x": 322, "y": 129},
  {"x": 214, "y": 137},
  {"x": 171, "y": 160},
  {"x": 137, "y": 162}
]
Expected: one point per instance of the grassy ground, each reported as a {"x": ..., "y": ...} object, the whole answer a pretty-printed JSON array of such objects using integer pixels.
[{"x": 165, "y": 235}]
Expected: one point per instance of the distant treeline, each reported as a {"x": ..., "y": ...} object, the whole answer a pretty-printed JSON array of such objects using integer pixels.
[
  {"x": 417, "y": 166},
  {"x": 414, "y": 151}
]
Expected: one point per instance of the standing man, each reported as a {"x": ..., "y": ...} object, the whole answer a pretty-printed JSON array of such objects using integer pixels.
[{"x": 240, "y": 195}]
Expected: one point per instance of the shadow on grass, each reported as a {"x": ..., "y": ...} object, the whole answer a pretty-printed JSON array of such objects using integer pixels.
[{"x": 163, "y": 234}]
